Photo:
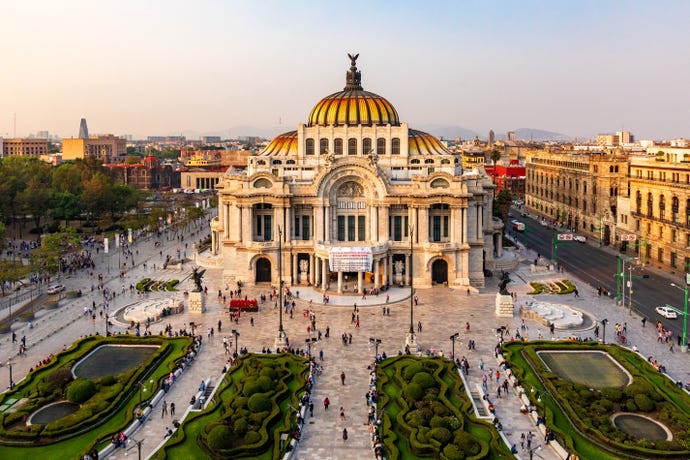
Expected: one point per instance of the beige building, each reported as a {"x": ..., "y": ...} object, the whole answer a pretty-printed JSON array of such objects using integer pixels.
[
  {"x": 107, "y": 148},
  {"x": 24, "y": 147},
  {"x": 346, "y": 195},
  {"x": 659, "y": 204},
  {"x": 578, "y": 190}
]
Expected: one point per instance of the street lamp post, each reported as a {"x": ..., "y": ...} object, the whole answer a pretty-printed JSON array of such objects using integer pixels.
[
  {"x": 411, "y": 340},
  {"x": 376, "y": 343},
  {"x": 604, "y": 322},
  {"x": 281, "y": 339},
  {"x": 452, "y": 340},
  {"x": 137, "y": 445},
  {"x": 9, "y": 364},
  {"x": 236, "y": 334},
  {"x": 684, "y": 344}
]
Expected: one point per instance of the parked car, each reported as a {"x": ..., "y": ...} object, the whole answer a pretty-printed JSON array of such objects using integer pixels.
[
  {"x": 56, "y": 289},
  {"x": 580, "y": 238},
  {"x": 666, "y": 312}
]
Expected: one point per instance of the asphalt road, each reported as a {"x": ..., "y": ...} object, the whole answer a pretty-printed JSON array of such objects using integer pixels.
[{"x": 597, "y": 266}]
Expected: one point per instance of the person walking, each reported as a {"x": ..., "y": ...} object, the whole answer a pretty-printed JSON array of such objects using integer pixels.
[
  {"x": 342, "y": 413},
  {"x": 320, "y": 355},
  {"x": 172, "y": 409},
  {"x": 311, "y": 409},
  {"x": 326, "y": 403},
  {"x": 342, "y": 378},
  {"x": 164, "y": 410},
  {"x": 344, "y": 434}
]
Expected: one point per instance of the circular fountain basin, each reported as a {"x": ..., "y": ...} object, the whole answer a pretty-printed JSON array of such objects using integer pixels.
[
  {"x": 52, "y": 412},
  {"x": 560, "y": 315},
  {"x": 641, "y": 427},
  {"x": 150, "y": 310}
]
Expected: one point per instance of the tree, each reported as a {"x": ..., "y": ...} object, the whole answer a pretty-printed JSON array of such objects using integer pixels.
[
  {"x": 502, "y": 204},
  {"x": 95, "y": 197},
  {"x": 12, "y": 271},
  {"x": 122, "y": 199},
  {"x": 46, "y": 259},
  {"x": 64, "y": 206}
]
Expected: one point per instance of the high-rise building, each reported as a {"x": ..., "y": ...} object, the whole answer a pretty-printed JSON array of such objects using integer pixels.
[
  {"x": 107, "y": 148},
  {"x": 83, "y": 129},
  {"x": 351, "y": 192},
  {"x": 510, "y": 135},
  {"x": 491, "y": 138},
  {"x": 625, "y": 137},
  {"x": 210, "y": 139}
]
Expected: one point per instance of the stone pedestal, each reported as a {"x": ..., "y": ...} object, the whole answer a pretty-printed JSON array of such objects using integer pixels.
[
  {"x": 196, "y": 302},
  {"x": 281, "y": 342},
  {"x": 411, "y": 341},
  {"x": 504, "y": 306}
]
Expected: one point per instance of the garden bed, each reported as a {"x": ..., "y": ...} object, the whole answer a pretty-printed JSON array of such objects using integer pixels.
[
  {"x": 580, "y": 415},
  {"x": 427, "y": 413},
  {"x": 251, "y": 409}
]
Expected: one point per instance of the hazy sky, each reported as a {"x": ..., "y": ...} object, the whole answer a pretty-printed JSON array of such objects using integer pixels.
[{"x": 147, "y": 67}]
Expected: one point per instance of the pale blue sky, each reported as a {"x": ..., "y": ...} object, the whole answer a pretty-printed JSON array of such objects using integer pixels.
[{"x": 146, "y": 67}]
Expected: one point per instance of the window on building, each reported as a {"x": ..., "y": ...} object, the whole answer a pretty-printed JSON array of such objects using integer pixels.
[
  {"x": 350, "y": 228},
  {"x": 338, "y": 146},
  {"x": 352, "y": 146},
  {"x": 650, "y": 205},
  {"x": 366, "y": 146},
  {"x": 674, "y": 260},
  {"x": 675, "y": 205},
  {"x": 341, "y": 228},
  {"x": 381, "y": 146},
  {"x": 674, "y": 235},
  {"x": 395, "y": 146},
  {"x": 660, "y": 254},
  {"x": 306, "y": 227},
  {"x": 662, "y": 207},
  {"x": 323, "y": 146},
  {"x": 361, "y": 228},
  {"x": 310, "y": 146}
]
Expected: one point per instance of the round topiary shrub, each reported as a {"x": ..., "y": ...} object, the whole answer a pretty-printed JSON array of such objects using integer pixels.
[
  {"x": 441, "y": 434},
  {"x": 61, "y": 376},
  {"x": 413, "y": 392},
  {"x": 241, "y": 426},
  {"x": 80, "y": 391},
  {"x": 466, "y": 443},
  {"x": 424, "y": 379},
  {"x": 451, "y": 452},
  {"x": 259, "y": 402},
  {"x": 252, "y": 437},
  {"x": 644, "y": 403},
  {"x": 612, "y": 394},
  {"x": 269, "y": 372},
  {"x": 411, "y": 370},
  {"x": 638, "y": 387},
  {"x": 220, "y": 437}
]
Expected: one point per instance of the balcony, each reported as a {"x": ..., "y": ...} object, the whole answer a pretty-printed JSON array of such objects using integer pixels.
[{"x": 678, "y": 224}]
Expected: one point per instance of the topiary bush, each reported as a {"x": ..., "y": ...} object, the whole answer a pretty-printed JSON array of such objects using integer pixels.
[
  {"x": 413, "y": 392},
  {"x": 80, "y": 391},
  {"x": 452, "y": 452},
  {"x": 644, "y": 402},
  {"x": 259, "y": 402},
  {"x": 424, "y": 380},
  {"x": 441, "y": 434},
  {"x": 241, "y": 426},
  {"x": 411, "y": 370},
  {"x": 220, "y": 437}
]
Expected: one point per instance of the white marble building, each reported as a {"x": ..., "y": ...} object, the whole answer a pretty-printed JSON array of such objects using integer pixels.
[{"x": 348, "y": 194}]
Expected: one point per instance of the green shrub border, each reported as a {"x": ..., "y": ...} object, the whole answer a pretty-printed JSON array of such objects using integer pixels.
[{"x": 565, "y": 422}]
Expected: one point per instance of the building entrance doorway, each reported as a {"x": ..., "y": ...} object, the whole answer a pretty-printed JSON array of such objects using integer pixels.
[
  {"x": 263, "y": 270},
  {"x": 439, "y": 271}
]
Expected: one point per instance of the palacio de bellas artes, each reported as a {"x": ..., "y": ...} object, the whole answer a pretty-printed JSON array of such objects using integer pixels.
[{"x": 355, "y": 199}]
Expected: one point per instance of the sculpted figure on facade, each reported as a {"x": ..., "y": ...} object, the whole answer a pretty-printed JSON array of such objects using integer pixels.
[
  {"x": 398, "y": 267},
  {"x": 304, "y": 266}
]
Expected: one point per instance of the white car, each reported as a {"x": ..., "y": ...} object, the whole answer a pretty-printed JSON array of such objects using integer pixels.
[
  {"x": 666, "y": 312},
  {"x": 56, "y": 289},
  {"x": 580, "y": 238}
]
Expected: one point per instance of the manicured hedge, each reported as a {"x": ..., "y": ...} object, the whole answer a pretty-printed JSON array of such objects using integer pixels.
[
  {"x": 251, "y": 409},
  {"x": 581, "y": 417},
  {"x": 427, "y": 413}
]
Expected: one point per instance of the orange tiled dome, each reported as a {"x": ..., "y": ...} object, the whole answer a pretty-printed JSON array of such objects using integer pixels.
[{"x": 353, "y": 106}]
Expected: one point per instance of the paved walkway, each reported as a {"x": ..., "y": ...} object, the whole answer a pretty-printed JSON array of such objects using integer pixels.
[{"x": 441, "y": 310}]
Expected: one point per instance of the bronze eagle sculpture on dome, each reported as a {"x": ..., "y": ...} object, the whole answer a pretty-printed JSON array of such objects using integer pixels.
[{"x": 353, "y": 59}]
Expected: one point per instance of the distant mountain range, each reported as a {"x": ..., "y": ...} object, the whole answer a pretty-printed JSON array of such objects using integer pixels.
[{"x": 444, "y": 131}]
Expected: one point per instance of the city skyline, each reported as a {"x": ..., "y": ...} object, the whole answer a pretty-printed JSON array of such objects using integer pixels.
[{"x": 164, "y": 68}]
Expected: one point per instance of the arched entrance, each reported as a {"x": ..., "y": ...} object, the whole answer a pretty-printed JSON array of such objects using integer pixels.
[
  {"x": 263, "y": 270},
  {"x": 439, "y": 271}
]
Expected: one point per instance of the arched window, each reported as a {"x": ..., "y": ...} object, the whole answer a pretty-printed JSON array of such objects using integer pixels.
[
  {"x": 395, "y": 146},
  {"x": 674, "y": 208},
  {"x": 352, "y": 146},
  {"x": 338, "y": 146},
  {"x": 310, "y": 146},
  {"x": 414, "y": 162},
  {"x": 323, "y": 146},
  {"x": 366, "y": 146},
  {"x": 381, "y": 146},
  {"x": 429, "y": 161},
  {"x": 662, "y": 207},
  {"x": 277, "y": 162}
]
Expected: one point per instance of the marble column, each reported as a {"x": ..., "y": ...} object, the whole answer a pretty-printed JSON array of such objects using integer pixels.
[
  {"x": 318, "y": 220},
  {"x": 385, "y": 271},
  {"x": 313, "y": 267},
  {"x": 324, "y": 274},
  {"x": 360, "y": 281},
  {"x": 463, "y": 237},
  {"x": 214, "y": 250},
  {"x": 390, "y": 269},
  {"x": 327, "y": 223},
  {"x": 340, "y": 282},
  {"x": 317, "y": 271},
  {"x": 295, "y": 270},
  {"x": 407, "y": 269},
  {"x": 376, "y": 274}
]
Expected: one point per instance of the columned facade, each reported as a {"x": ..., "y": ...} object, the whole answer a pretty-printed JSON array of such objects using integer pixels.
[{"x": 355, "y": 179}]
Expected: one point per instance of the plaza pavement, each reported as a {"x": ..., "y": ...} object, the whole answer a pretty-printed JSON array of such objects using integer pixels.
[{"x": 441, "y": 310}]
